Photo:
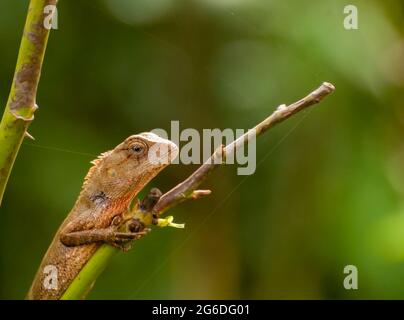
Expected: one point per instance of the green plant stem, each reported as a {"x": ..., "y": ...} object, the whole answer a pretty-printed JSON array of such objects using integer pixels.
[
  {"x": 83, "y": 283},
  {"x": 21, "y": 104}
]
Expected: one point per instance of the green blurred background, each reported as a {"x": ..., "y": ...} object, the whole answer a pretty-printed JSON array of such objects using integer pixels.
[{"x": 328, "y": 190}]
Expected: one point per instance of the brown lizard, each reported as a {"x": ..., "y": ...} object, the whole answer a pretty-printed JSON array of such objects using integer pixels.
[{"x": 113, "y": 181}]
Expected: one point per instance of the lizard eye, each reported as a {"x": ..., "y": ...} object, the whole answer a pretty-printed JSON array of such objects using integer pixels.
[{"x": 139, "y": 148}]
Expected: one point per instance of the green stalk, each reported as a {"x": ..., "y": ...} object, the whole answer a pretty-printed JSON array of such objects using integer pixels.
[
  {"x": 21, "y": 104},
  {"x": 84, "y": 281}
]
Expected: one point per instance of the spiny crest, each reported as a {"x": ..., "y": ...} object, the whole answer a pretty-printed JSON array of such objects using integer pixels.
[{"x": 96, "y": 162}]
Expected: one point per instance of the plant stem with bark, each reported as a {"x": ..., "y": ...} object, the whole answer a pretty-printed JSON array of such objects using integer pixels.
[{"x": 21, "y": 104}]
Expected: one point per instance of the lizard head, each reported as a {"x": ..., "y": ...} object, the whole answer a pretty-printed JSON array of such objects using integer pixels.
[{"x": 121, "y": 173}]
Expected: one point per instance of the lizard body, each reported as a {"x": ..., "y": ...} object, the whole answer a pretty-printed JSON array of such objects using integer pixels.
[{"x": 115, "y": 178}]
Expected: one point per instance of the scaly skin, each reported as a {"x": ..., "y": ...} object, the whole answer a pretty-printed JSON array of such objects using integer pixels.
[{"x": 116, "y": 177}]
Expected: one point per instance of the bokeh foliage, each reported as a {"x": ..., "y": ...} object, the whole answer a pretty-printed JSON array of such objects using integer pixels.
[{"x": 328, "y": 190}]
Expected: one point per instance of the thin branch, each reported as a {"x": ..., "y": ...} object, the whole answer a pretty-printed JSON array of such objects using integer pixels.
[
  {"x": 21, "y": 104},
  {"x": 187, "y": 189}
]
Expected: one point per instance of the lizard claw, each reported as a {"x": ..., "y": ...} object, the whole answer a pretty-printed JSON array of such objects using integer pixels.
[
  {"x": 122, "y": 240},
  {"x": 125, "y": 246}
]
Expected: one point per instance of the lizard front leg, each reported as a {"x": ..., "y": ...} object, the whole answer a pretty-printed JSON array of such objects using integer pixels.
[
  {"x": 118, "y": 234},
  {"x": 79, "y": 235},
  {"x": 108, "y": 235}
]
